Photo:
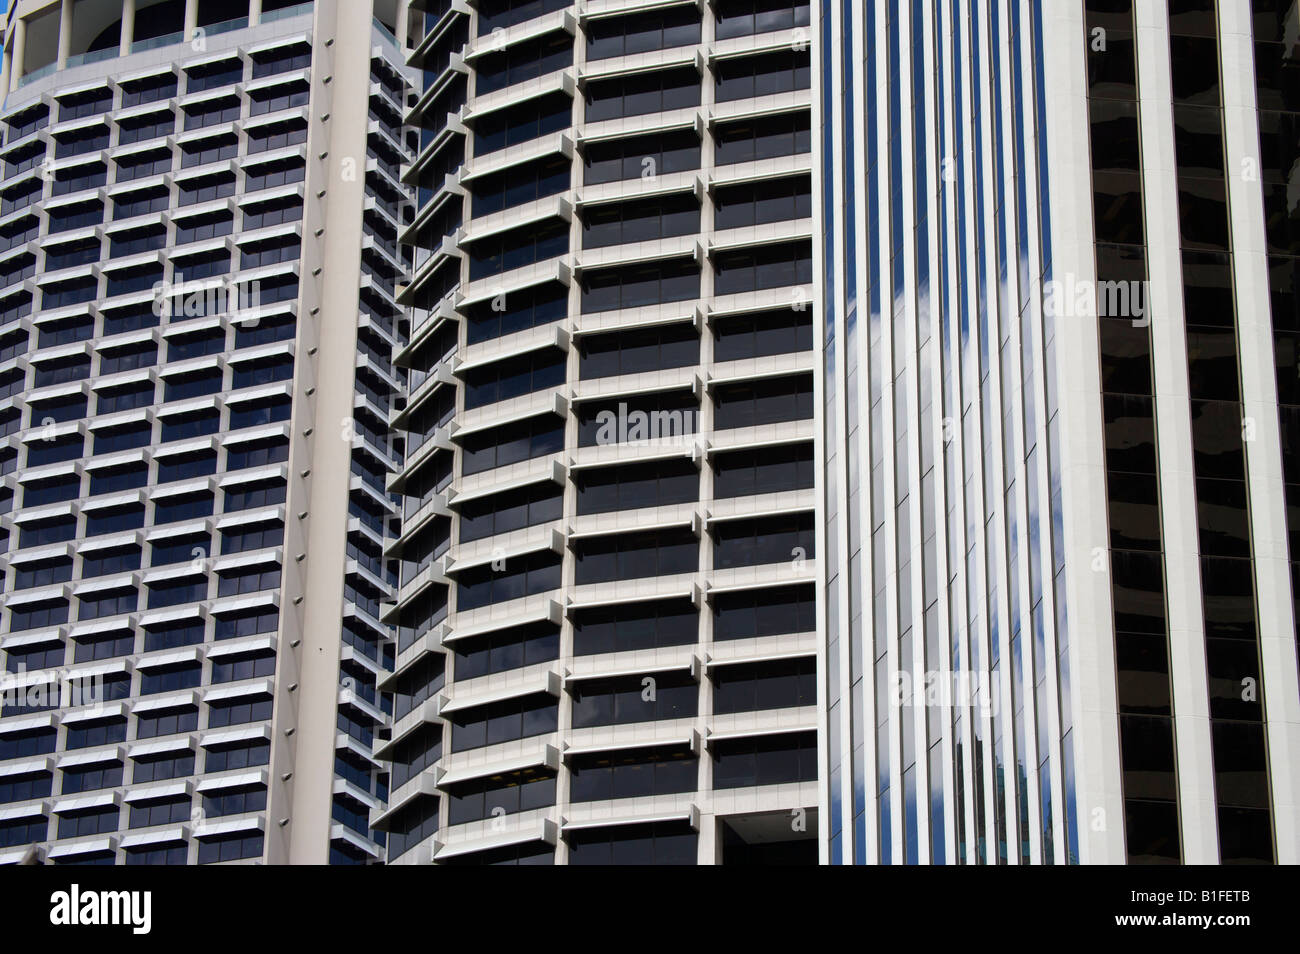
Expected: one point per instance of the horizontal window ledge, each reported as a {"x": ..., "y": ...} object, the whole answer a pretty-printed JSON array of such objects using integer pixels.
[
  {"x": 545, "y": 469},
  {"x": 761, "y": 505},
  {"x": 82, "y": 802},
  {"x": 761, "y": 170},
  {"x": 689, "y": 817},
  {"x": 763, "y": 435},
  {"x": 426, "y": 713},
  {"x": 69, "y": 849},
  {"x": 30, "y": 810},
  {"x": 653, "y": 124},
  {"x": 159, "y": 836},
  {"x": 755, "y": 107},
  {"x": 542, "y": 756},
  {"x": 771, "y": 233},
  {"x": 502, "y": 39},
  {"x": 422, "y": 786},
  {"x": 673, "y": 58},
  {"x": 489, "y": 551},
  {"x": 690, "y": 664},
  {"x": 165, "y": 790},
  {"x": 422, "y": 646},
  {"x": 113, "y": 753},
  {"x": 646, "y": 124},
  {"x": 28, "y": 767},
  {"x": 516, "y": 280},
  {"x": 528, "y": 214},
  {"x": 215, "y": 783},
  {"x": 455, "y": 10},
  {"x": 639, "y": 452},
  {"x": 639, "y": 253},
  {"x": 512, "y": 346},
  {"x": 711, "y": 663},
  {"x": 544, "y": 831},
  {"x": 791, "y": 39},
  {"x": 502, "y": 616},
  {"x": 500, "y": 160},
  {"x": 561, "y": 81},
  {"x": 549, "y": 683},
  {"x": 642, "y": 187},
  {"x": 635, "y": 590},
  {"x": 644, "y": 383},
  {"x": 689, "y": 521},
  {"x": 712, "y": 738},
  {"x": 450, "y": 128},
  {"x": 648, "y": 316},
  {"x": 214, "y": 829},
  {"x": 481, "y": 420},
  {"x": 651, "y": 738}
]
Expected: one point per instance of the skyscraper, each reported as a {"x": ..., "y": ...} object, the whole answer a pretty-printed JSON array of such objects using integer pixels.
[
  {"x": 649, "y": 431},
  {"x": 606, "y": 603},
  {"x": 201, "y": 205},
  {"x": 1052, "y": 232}
]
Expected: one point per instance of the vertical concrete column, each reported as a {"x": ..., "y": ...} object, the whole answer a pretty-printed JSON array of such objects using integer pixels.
[
  {"x": 1187, "y": 663},
  {"x": 403, "y": 30},
  {"x": 18, "y": 45},
  {"x": 340, "y": 141},
  {"x": 128, "y": 27},
  {"x": 254, "y": 12},
  {"x": 1277, "y": 644},
  {"x": 1098, "y": 782},
  {"x": 191, "y": 19},
  {"x": 65, "y": 32},
  {"x": 4, "y": 73}
]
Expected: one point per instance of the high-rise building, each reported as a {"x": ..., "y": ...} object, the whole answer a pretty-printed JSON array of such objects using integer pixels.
[
  {"x": 201, "y": 207},
  {"x": 606, "y": 612},
  {"x": 650, "y": 431},
  {"x": 1060, "y": 425}
]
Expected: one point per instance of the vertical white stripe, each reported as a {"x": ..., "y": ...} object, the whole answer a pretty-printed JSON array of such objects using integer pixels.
[
  {"x": 1259, "y": 403},
  {"x": 1174, "y": 439},
  {"x": 1098, "y": 782}
]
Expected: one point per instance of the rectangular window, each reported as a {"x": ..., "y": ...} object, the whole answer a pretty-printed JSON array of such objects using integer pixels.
[
  {"x": 639, "y": 286},
  {"x": 787, "y": 684},
  {"x": 620, "y": 159},
  {"x": 770, "y": 401},
  {"x": 763, "y": 75},
  {"x": 749, "y": 17},
  {"x": 643, "y": 31},
  {"x": 630, "y": 699},
  {"x": 641, "y": 93},
  {"x": 636, "y": 556},
  {"x": 763, "y": 540},
  {"x": 505, "y": 721},
  {"x": 620, "y": 223},
  {"x": 771, "y": 470},
  {"x": 772, "y": 611},
  {"x": 767, "y": 760}
]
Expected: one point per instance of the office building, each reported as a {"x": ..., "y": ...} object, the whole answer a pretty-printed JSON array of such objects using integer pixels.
[
  {"x": 1060, "y": 372},
  {"x": 744, "y": 432},
  {"x": 606, "y": 615},
  {"x": 201, "y": 206}
]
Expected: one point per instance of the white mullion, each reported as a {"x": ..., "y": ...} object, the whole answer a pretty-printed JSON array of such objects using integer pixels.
[
  {"x": 862, "y": 341},
  {"x": 1046, "y": 524},
  {"x": 943, "y": 39},
  {"x": 996, "y": 608},
  {"x": 1183, "y": 596},
  {"x": 1098, "y": 789},
  {"x": 970, "y": 392},
  {"x": 1277, "y": 624},
  {"x": 956, "y": 219}
]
